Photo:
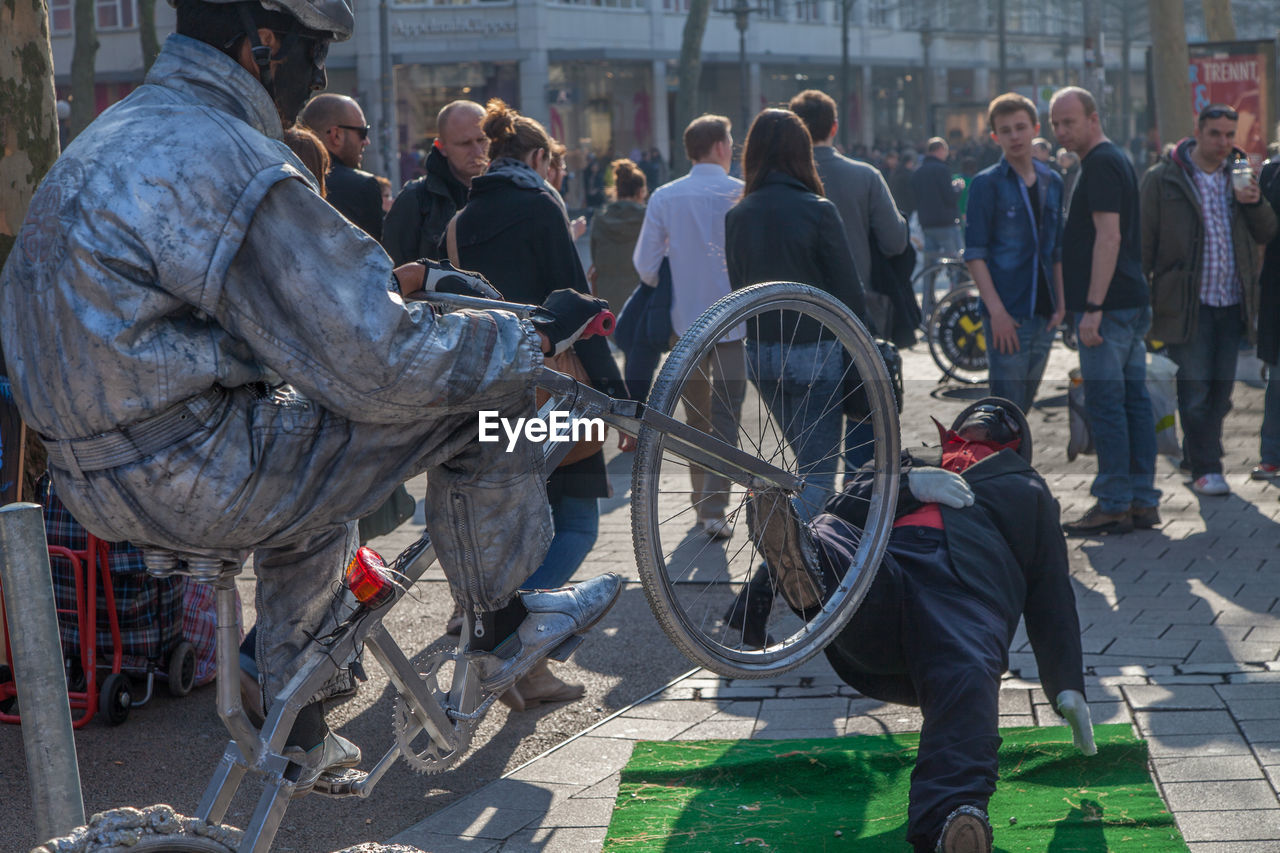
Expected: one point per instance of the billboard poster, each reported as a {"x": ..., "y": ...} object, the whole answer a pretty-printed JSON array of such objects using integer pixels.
[{"x": 1242, "y": 76}]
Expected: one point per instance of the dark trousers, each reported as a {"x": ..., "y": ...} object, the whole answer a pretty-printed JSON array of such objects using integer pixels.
[
  {"x": 1206, "y": 374},
  {"x": 921, "y": 638}
]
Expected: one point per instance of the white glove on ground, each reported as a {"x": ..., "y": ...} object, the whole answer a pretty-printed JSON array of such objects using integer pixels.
[
  {"x": 1075, "y": 711},
  {"x": 938, "y": 485}
]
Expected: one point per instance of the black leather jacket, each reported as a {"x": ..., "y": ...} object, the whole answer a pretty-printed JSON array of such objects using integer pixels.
[{"x": 784, "y": 232}]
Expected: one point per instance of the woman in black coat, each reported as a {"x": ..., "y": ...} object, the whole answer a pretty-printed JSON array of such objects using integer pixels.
[
  {"x": 784, "y": 230},
  {"x": 1269, "y": 335},
  {"x": 515, "y": 232}
]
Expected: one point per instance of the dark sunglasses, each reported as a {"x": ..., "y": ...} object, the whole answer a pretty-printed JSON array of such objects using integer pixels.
[
  {"x": 1006, "y": 420},
  {"x": 1219, "y": 112},
  {"x": 363, "y": 131}
]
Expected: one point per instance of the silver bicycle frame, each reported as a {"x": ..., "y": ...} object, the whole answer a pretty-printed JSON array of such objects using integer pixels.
[{"x": 261, "y": 753}]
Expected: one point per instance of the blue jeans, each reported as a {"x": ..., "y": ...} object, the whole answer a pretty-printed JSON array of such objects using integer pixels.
[
  {"x": 1271, "y": 420},
  {"x": 577, "y": 523},
  {"x": 1206, "y": 375},
  {"x": 801, "y": 386},
  {"x": 946, "y": 241},
  {"x": 1119, "y": 411},
  {"x": 1016, "y": 375}
]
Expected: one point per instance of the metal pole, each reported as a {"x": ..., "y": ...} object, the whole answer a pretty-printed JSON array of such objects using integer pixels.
[
  {"x": 1003, "y": 44},
  {"x": 742, "y": 69},
  {"x": 387, "y": 131},
  {"x": 47, "y": 737},
  {"x": 845, "y": 8}
]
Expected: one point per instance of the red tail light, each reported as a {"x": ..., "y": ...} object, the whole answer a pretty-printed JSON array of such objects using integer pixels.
[{"x": 368, "y": 579}]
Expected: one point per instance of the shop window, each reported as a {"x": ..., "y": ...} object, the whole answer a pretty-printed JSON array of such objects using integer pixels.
[
  {"x": 116, "y": 14},
  {"x": 608, "y": 4},
  {"x": 880, "y": 13},
  {"x": 675, "y": 5},
  {"x": 808, "y": 10},
  {"x": 60, "y": 16}
]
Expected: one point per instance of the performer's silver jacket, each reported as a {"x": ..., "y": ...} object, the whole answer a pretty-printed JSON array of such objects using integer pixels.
[{"x": 178, "y": 246}]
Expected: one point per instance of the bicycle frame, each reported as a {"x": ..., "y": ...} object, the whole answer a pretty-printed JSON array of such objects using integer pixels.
[{"x": 261, "y": 753}]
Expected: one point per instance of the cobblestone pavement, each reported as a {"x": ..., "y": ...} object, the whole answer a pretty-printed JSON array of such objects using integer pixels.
[{"x": 1181, "y": 639}]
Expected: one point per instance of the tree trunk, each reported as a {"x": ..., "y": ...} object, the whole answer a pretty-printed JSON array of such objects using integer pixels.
[
  {"x": 147, "y": 32},
  {"x": 1170, "y": 61},
  {"x": 83, "y": 62},
  {"x": 28, "y": 121},
  {"x": 689, "y": 72},
  {"x": 1218, "y": 24}
]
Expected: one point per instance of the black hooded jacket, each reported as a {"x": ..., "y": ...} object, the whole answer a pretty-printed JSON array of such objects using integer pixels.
[{"x": 415, "y": 225}]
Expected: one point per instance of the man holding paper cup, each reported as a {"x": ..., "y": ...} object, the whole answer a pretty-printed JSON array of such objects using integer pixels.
[{"x": 1202, "y": 223}]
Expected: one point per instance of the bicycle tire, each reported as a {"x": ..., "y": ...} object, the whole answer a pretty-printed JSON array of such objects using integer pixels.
[
  {"x": 928, "y": 303},
  {"x": 689, "y": 606},
  {"x": 957, "y": 342},
  {"x": 154, "y": 829}
]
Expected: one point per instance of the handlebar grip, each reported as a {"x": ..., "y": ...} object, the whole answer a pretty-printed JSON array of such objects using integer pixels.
[{"x": 602, "y": 325}]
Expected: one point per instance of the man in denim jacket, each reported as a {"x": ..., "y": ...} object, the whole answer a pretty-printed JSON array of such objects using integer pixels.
[{"x": 1013, "y": 248}]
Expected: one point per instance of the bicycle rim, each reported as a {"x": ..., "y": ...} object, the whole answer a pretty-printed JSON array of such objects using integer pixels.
[{"x": 692, "y": 580}]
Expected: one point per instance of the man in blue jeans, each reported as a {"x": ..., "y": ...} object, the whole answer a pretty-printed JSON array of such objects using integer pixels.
[
  {"x": 1105, "y": 288},
  {"x": 938, "y": 209},
  {"x": 1013, "y": 248}
]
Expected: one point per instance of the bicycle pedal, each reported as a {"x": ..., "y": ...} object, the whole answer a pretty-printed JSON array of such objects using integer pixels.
[
  {"x": 339, "y": 784},
  {"x": 562, "y": 651}
]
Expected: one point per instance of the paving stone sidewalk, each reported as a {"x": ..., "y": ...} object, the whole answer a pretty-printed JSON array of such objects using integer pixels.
[{"x": 1181, "y": 631}]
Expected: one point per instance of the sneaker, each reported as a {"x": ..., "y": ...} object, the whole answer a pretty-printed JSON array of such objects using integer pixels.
[
  {"x": 786, "y": 546},
  {"x": 334, "y": 754},
  {"x": 1265, "y": 471},
  {"x": 967, "y": 830},
  {"x": 717, "y": 528},
  {"x": 1097, "y": 520},
  {"x": 454, "y": 626},
  {"x": 554, "y": 627},
  {"x": 1211, "y": 484},
  {"x": 1145, "y": 517}
]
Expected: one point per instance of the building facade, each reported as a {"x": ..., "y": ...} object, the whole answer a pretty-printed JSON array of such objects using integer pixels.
[{"x": 601, "y": 74}]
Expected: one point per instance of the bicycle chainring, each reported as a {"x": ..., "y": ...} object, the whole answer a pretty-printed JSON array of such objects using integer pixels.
[{"x": 432, "y": 757}]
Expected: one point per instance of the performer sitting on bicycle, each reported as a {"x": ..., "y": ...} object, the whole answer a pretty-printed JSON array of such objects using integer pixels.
[
  {"x": 221, "y": 364},
  {"x": 976, "y": 545}
]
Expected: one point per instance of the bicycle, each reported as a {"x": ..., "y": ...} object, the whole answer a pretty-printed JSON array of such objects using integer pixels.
[
  {"x": 688, "y": 579},
  {"x": 926, "y": 280}
]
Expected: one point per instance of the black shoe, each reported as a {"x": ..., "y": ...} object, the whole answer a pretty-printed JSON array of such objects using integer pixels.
[
  {"x": 1098, "y": 520},
  {"x": 1145, "y": 517},
  {"x": 967, "y": 830},
  {"x": 749, "y": 612}
]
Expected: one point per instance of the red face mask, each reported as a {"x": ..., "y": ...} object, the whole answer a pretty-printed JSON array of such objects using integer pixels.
[{"x": 959, "y": 453}]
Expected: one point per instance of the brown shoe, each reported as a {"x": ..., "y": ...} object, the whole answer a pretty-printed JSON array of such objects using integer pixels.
[
  {"x": 1145, "y": 517},
  {"x": 967, "y": 830},
  {"x": 539, "y": 686},
  {"x": 1097, "y": 521}
]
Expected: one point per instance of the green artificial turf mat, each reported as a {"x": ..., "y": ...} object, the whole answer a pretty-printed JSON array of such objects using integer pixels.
[{"x": 850, "y": 794}]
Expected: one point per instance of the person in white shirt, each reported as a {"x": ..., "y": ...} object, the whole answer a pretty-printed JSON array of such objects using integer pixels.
[{"x": 685, "y": 223}]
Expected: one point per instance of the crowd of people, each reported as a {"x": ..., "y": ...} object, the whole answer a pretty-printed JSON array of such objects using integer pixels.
[{"x": 205, "y": 401}]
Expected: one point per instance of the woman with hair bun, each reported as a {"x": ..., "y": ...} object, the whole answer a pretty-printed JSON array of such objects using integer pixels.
[
  {"x": 515, "y": 233},
  {"x": 614, "y": 232}
]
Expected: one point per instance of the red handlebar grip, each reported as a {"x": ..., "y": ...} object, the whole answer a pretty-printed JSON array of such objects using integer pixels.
[{"x": 602, "y": 325}]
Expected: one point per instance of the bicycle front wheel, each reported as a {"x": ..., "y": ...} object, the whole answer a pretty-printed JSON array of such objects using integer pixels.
[
  {"x": 957, "y": 340},
  {"x": 786, "y": 374}
]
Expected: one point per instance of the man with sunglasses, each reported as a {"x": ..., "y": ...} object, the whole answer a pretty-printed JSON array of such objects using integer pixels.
[
  {"x": 976, "y": 545},
  {"x": 1203, "y": 219},
  {"x": 238, "y": 372},
  {"x": 339, "y": 122}
]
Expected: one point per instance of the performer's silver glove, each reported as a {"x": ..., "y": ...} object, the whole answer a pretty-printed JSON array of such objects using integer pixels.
[
  {"x": 1075, "y": 711},
  {"x": 938, "y": 485}
]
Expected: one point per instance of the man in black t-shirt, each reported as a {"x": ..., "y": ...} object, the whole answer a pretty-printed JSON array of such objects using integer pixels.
[{"x": 1105, "y": 288}]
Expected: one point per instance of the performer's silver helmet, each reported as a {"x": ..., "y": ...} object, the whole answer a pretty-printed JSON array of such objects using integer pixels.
[{"x": 332, "y": 17}]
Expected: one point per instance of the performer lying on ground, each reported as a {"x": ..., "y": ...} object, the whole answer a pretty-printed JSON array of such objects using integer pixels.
[{"x": 976, "y": 545}]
